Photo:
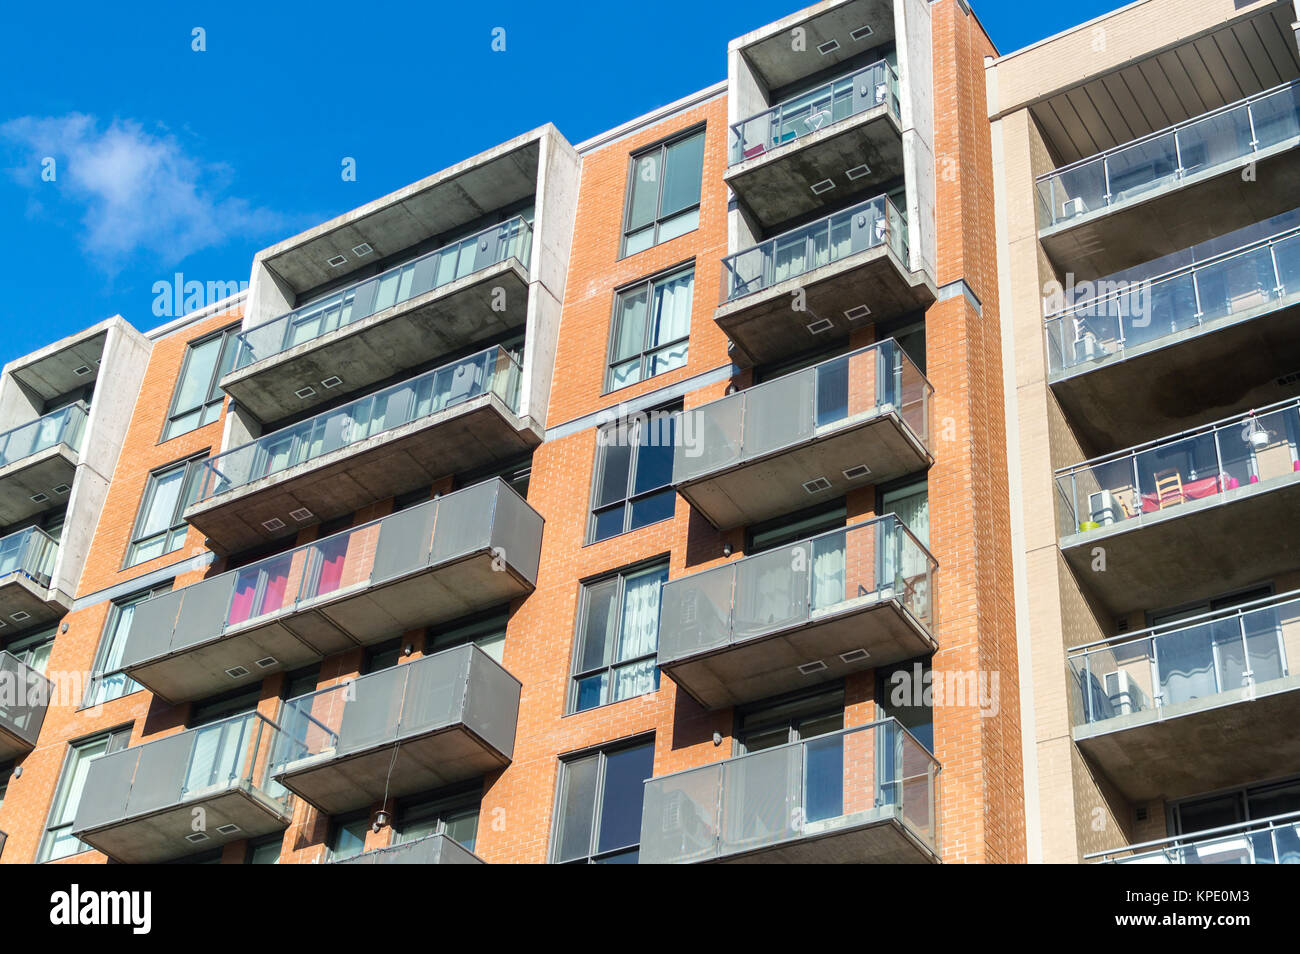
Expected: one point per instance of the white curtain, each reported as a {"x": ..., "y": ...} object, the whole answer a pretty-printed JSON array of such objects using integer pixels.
[
  {"x": 672, "y": 309},
  {"x": 1185, "y": 662},
  {"x": 639, "y": 635},
  {"x": 828, "y": 571}
]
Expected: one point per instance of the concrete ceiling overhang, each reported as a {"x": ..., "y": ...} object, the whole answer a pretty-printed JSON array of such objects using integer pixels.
[
  {"x": 66, "y": 367},
  {"x": 437, "y": 204},
  {"x": 1197, "y": 76},
  {"x": 770, "y": 53}
]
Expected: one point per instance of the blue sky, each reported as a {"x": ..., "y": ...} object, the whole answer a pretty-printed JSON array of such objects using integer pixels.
[{"x": 168, "y": 160}]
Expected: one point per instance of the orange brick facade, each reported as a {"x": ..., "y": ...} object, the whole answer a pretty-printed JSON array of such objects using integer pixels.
[{"x": 981, "y": 786}]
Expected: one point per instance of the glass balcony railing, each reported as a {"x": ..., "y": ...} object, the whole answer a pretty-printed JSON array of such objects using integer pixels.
[
  {"x": 807, "y": 789},
  {"x": 63, "y": 426},
  {"x": 350, "y": 562},
  {"x": 1169, "y": 473},
  {"x": 24, "y": 697},
  {"x": 29, "y": 552},
  {"x": 494, "y": 371},
  {"x": 493, "y": 245},
  {"x": 1218, "y": 140},
  {"x": 791, "y": 586},
  {"x": 1160, "y": 669},
  {"x": 872, "y": 86},
  {"x": 1138, "y": 312},
  {"x": 795, "y": 408},
  {"x": 1265, "y": 841},
  {"x": 197, "y": 764},
  {"x": 872, "y": 224},
  {"x": 457, "y": 686},
  {"x": 429, "y": 850}
]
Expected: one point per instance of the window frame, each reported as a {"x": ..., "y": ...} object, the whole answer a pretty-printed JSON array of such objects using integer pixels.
[
  {"x": 630, "y": 495},
  {"x": 634, "y": 160},
  {"x": 576, "y": 677},
  {"x": 337, "y": 825},
  {"x": 229, "y": 335},
  {"x": 120, "y": 734},
  {"x": 189, "y": 484},
  {"x": 111, "y": 620},
  {"x": 648, "y": 350},
  {"x": 602, "y": 753},
  {"x": 439, "y": 808}
]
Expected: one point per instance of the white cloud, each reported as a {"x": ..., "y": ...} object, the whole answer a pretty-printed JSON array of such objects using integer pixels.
[{"x": 134, "y": 190}]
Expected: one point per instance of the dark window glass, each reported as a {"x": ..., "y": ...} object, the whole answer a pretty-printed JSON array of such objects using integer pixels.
[
  {"x": 599, "y": 814},
  {"x": 663, "y": 198},
  {"x": 634, "y": 470}
]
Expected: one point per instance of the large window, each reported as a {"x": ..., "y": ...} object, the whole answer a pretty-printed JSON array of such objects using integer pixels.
[
  {"x": 57, "y": 841},
  {"x": 348, "y": 837},
  {"x": 487, "y": 633},
  {"x": 633, "y": 474},
  {"x": 599, "y": 809},
  {"x": 197, "y": 399},
  {"x": 457, "y": 818},
  {"x": 901, "y": 691},
  {"x": 33, "y": 650},
  {"x": 650, "y": 333},
  {"x": 618, "y": 637},
  {"x": 160, "y": 527},
  {"x": 107, "y": 681},
  {"x": 663, "y": 194}
]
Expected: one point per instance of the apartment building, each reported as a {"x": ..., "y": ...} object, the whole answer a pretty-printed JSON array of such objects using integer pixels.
[
  {"x": 644, "y": 500},
  {"x": 1147, "y": 223}
]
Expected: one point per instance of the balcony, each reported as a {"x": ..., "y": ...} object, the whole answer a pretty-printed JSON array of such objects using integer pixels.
[
  {"x": 1267, "y": 841},
  {"x": 38, "y": 462},
  {"x": 859, "y": 419},
  {"x": 1114, "y": 358},
  {"x": 466, "y": 551},
  {"x": 1175, "y": 187},
  {"x": 446, "y": 301},
  {"x": 26, "y": 567},
  {"x": 455, "y": 418},
  {"x": 845, "y": 134},
  {"x": 430, "y": 850},
  {"x": 417, "y": 726},
  {"x": 139, "y": 805},
  {"x": 848, "y": 266},
  {"x": 1205, "y": 511},
  {"x": 863, "y": 795},
  {"x": 462, "y": 553},
  {"x": 837, "y": 603},
  {"x": 24, "y": 697},
  {"x": 1193, "y": 706}
]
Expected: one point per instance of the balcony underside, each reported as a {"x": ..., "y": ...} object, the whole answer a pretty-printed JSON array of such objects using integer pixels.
[
  {"x": 34, "y": 475},
  {"x": 765, "y": 666},
  {"x": 477, "y": 433},
  {"x": 1202, "y": 373},
  {"x": 864, "y": 839},
  {"x": 343, "y": 621},
  {"x": 20, "y": 595},
  {"x": 493, "y": 179},
  {"x": 1237, "y": 538},
  {"x": 12, "y": 744},
  {"x": 1168, "y": 220},
  {"x": 336, "y": 784},
  {"x": 162, "y": 835},
  {"x": 765, "y": 327},
  {"x": 442, "y": 321},
  {"x": 1199, "y": 746},
  {"x": 757, "y": 490},
  {"x": 776, "y": 185}
]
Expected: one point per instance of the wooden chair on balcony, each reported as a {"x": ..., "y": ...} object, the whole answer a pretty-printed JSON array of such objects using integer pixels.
[{"x": 1169, "y": 488}]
